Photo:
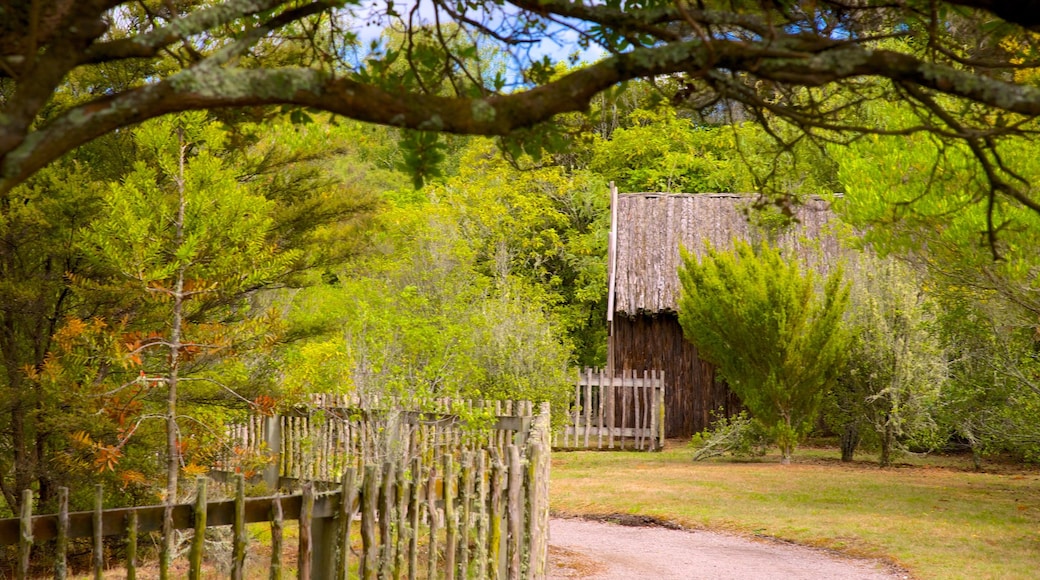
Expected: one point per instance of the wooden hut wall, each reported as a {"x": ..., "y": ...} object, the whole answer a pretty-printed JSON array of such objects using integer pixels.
[{"x": 692, "y": 390}]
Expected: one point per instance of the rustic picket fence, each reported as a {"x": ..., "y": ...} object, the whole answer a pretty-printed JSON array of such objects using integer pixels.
[
  {"x": 615, "y": 411},
  {"x": 474, "y": 510},
  {"x": 317, "y": 441}
]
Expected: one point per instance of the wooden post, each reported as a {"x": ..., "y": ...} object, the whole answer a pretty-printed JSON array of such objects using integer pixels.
[
  {"x": 369, "y": 502},
  {"x": 403, "y": 530},
  {"x": 661, "y": 411},
  {"x": 610, "y": 406},
  {"x": 466, "y": 501},
  {"x": 61, "y": 568},
  {"x": 276, "y": 538},
  {"x": 239, "y": 532},
  {"x": 131, "y": 546},
  {"x": 306, "y": 539},
  {"x": 413, "y": 514},
  {"x": 386, "y": 508},
  {"x": 431, "y": 510},
  {"x": 625, "y": 392},
  {"x": 482, "y": 525},
  {"x": 166, "y": 542},
  {"x": 587, "y": 408},
  {"x": 496, "y": 554},
  {"x": 25, "y": 537},
  {"x": 534, "y": 505},
  {"x": 348, "y": 495},
  {"x": 273, "y": 439},
  {"x": 323, "y": 547},
  {"x": 516, "y": 512},
  {"x": 99, "y": 544},
  {"x": 198, "y": 541},
  {"x": 601, "y": 407},
  {"x": 637, "y": 413},
  {"x": 450, "y": 523},
  {"x": 539, "y": 455}
]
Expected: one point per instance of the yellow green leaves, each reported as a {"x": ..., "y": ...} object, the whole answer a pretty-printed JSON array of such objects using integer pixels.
[{"x": 776, "y": 335}]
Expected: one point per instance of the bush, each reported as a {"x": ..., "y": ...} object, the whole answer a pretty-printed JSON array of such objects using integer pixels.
[{"x": 739, "y": 436}]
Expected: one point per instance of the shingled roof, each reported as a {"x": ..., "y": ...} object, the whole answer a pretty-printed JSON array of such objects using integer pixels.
[{"x": 647, "y": 230}]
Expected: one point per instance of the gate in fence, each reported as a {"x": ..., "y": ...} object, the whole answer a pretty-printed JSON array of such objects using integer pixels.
[
  {"x": 432, "y": 500},
  {"x": 615, "y": 411}
]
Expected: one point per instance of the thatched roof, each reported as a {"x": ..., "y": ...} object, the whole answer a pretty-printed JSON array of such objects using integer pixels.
[{"x": 648, "y": 228}]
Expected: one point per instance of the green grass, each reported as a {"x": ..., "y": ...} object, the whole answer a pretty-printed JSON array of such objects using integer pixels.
[{"x": 931, "y": 516}]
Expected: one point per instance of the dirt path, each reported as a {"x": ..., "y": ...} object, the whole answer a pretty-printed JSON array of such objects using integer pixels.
[{"x": 603, "y": 551}]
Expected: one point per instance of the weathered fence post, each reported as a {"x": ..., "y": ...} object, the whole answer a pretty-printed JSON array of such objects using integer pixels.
[
  {"x": 306, "y": 538},
  {"x": 386, "y": 508},
  {"x": 25, "y": 537},
  {"x": 539, "y": 461},
  {"x": 450, "y": 523},
  {"x": 99, "y": 544},
  {"x": 239, "y": 533},
  {"x": 661, "y": 414},
  {"x": 515, "y": 511},
  {"x": 369, "y": 504},
  {"x": 198, "y": 541},
  {"x": 273, "y": 439},
  {"x": 276, "y": 538},
  {"x": 61, "y": 568},
  {"x": 131, "y": 546},
  {"x": 348, "y": 495}
]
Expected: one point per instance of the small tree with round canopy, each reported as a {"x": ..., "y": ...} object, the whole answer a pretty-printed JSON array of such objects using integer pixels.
[{"x": 774, "y": 332}]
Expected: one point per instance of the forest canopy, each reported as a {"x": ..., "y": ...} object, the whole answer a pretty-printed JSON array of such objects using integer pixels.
[{"x": 72, "y": 71}]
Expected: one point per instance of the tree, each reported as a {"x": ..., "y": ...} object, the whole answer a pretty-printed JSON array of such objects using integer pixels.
[
  {"x": 924, "y": 212},
  {"x": 544, "y": 225},
  {"x": 776, "y": 337},
  {"x": 896, "y": 366},
  {"x": 809, "y": 66},
  {"x": 420, "y": 319},
  {"x": 187, "y": 244}
]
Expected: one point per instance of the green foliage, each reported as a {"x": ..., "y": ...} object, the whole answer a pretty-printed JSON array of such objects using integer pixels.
[
  {"x": 991, "y": 400},
  {"x": 896, "y": 365},
  {"x": 776, "y": 337},
  {"x": 419, "y": 319},
  {"x": 739, "y": 436},
  {"x": 225, "y": 247},
  {"x": 546, "y": 227},
  {"x": 925, "y": 210},
  {"x": 662, "y": 151}
]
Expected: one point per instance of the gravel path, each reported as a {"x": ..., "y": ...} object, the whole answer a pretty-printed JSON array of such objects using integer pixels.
[{"x": 603, "y": 551}]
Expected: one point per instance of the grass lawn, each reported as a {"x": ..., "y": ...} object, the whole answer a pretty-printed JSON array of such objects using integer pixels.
[{"x": 932, "y": 516}]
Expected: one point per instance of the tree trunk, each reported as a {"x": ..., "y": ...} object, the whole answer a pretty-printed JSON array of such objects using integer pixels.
[
  {"x": 888, "y": 439},
  {"x": 173, "y": 456},
  {"x": 849, "y": 441},
  {"x": 786, "y": 440}
]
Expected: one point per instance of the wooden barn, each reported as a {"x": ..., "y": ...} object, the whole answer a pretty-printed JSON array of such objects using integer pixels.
[{"x": 647, "y": 230}]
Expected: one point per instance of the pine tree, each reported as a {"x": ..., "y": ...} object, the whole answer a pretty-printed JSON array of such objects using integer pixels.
[{"x": 777, "y": 339}]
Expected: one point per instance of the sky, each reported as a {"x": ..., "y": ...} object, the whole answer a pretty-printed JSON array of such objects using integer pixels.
[{"x": 557, "y": 42}]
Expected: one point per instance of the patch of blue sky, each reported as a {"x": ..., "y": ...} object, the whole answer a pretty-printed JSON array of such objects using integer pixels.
[{"x": 560, "y": 43}]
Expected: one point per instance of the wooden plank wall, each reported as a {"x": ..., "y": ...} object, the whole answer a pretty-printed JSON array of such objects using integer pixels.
[{"x": 692, "y": 388}]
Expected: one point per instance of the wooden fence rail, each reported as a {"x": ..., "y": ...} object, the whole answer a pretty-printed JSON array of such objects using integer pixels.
[
  {"x": 608, "y": 411},
  {"x": 472, "y": 511}
]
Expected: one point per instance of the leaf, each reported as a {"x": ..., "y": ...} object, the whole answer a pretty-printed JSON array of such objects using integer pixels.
[
  {"x": 107, "y": 457},
  {"x": 82, "y": 439}
]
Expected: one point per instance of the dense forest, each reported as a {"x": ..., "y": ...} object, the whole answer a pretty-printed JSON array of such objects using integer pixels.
[{"x": 163, "y": 274}]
